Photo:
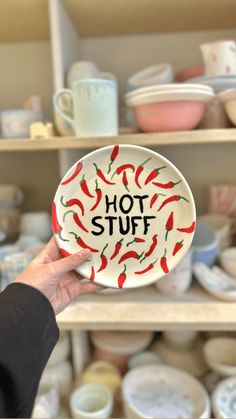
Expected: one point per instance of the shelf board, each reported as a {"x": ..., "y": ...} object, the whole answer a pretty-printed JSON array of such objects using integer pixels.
[
  {"x": 217, "y": 136},
  {"x": 146, "y": 309}
]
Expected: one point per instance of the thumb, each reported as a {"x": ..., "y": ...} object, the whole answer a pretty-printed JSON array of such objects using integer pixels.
[{"x": 69, "y": 263}]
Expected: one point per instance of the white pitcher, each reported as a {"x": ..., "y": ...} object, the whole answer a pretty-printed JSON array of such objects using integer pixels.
[{"x": 219, "y": 57}]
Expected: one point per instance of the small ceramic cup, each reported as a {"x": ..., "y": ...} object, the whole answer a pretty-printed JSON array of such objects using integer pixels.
[
  {"x": 91, "y": 401},
  {"x": 219, "y": 57},
  {"x": 205, "y": 244},
  {"x": 178, "y": 281},
  {"x": 12, "y": 265},
  {"x": 16, "y": 122},
  {"x": 180, "y": 339},
  {"x": 36, "y": 224}
]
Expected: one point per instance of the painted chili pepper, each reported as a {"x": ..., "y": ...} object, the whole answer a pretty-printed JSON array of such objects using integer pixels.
[
  {"x": 177, "y": 247},
  {"x": 78, "y": 169},
  {"x": 173, "y": 198},
  {"x": 148, "y": 268},
  {"x": 153, "y": 174},
  {"x": 64, "y": 252},
  {"x": 56, "y": 227},
  {"x": 85, "y": 188},
  {"x": 154, "y": 198},
  {"x": 72, "y": 202},
  {"x": 166, "y": 185},
  {"x": 164, "y": 265},
  {"x": 98, "y": 192},
  {"x": 189, "y": 229},
  {"x": 123, "y": 167},
  {"x": 136, "y": 240},
  {"x": 122, "y": 277},
  {"x": 138, "y": 172},
  {"x": 125, "y": 180},
  {"x": 151, "y": 248},
  {"x": 117, "y": 249},
  {"x": 82, "y": 244},
  {"x": 103, "y": 260},
  {"x": 76, "y": 219},
  {"x": 113, "y": 156},
  {"x": 102, "y": 176},
  {"x": 130, "y": 254},
  {"x": 169, "y": 224},
  {"x": 92, "y": 275}
]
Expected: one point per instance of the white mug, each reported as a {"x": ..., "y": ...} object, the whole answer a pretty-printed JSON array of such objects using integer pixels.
[
  {"x": 219, "y": 57},
  {"x": 94, "y": 107},
  {"x": 91, "y": 401}
]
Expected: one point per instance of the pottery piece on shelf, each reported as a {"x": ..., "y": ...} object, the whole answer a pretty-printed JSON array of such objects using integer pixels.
[
  {"x": 228, "y": 98},
  {"x": 10, "y": 196},
  {"x": 16, "y": 122},
  {"x": 104, "y": 373},
  {"x": 40, "y": 130},
  {"x": 120, "y": 361},
  {"x": 160, "y": 391},
  {"x": 151, "y": 76},
  {"x": 180, "y": 339},
  {"x": 220, "y": 355},
  {"x": 59, "y": 376},
  {"x": 219, "y": 57},
  {"x": 91, "y": 401},
  {"x": 205, "y": 244},
  {"x": 228, "y": 260},
  {"x": 128, "y": 248},
  {"x": 222, "y": 200},
  {"x": 36, "y": 223},
  {"x": 144, "y": 358},
  {"x": 224, "y": 399},
  {"x": 12, "y": 266},
  {"x": 222, "y": 224},
  {"x": 121, "y": 343},
  {"x": 81, "y": 70},
  {"x": 215, "y": 116},
  {"x": 217, "y": 83},
  {"x": 189, "y": 73},
  {"x": 46, "y": 405}
]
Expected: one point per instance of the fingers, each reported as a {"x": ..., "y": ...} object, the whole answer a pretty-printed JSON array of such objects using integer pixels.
[
  {"x": 89, "y": 288},
  {"x": 69, "y": 263}
]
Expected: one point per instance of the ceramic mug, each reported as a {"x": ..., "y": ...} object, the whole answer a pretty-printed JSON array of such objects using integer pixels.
[
  {"x": 94, "y": 107},
  {"x": 219, "y": 57},
  {"x": 91, "y": 401},
  {"x": 205, "y": 244},
  {"x": 10, "y": 196},
  {"x": 36, "y": 224}
]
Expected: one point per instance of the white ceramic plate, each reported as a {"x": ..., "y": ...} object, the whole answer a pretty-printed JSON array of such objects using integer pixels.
[
  {"x": 224, "y": 399},
  {"x": 160, "y": 391},
  {"x": 140, "y": 212},
  {"x": 218, "y": 84},
  {"x": 170, "y": 96},
  {"x": 167, "y": 87}
]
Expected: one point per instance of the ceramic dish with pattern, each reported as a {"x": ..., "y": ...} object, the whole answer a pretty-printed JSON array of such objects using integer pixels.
[
  {"x": 224, "y": 399},
  {"x": 131, "y": 208},
  {"x": 220, "y": 355},
  {"x": 217, "y": 83}
]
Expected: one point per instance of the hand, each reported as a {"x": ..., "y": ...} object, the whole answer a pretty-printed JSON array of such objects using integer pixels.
[{"x": 55, "y": 277}]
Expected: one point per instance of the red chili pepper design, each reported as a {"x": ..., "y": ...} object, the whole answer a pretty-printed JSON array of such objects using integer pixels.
[
  {"x": 64, "y": 252},
  {"x": 102, "y": 176},
  {"x": 82, "y": 244},
  {"x": 138, "y": 172},
  {"x": 130, "y": 254},
  {"x": 56, "y": 227},
  {"x": 151, "y": 248},
  {"x": 76, "y": 219},
  {"x": 153, "y": 174},
  {"x": 85, "y": 188},
  {"x": 169, "y": 224},
  {"x": 125, "y": 180},
  {"x": 103, "y": 260},
  {"x": 173, "y": 198},
  {"x": 72, "y": 202},
  {"x": 78, "y": 169},
  {"x": 122, "y": 277},
  {"x": 148, "y": 268},
  {"x": 117, "y": 249},
  {"x": 166, "y": 185},
  {"x": 154, "y": 198},
  {"x": 189, "y": 229},
  {"x": 98, "y": 197},
  {"x": 164, "y": 265},
  {"x": 113, "y": 156},
  {"x": 92, "y": 275},
  {"x": 123, "y": 167},
  {"x": 136, "y": 240},
  {"x": 177, "y": 247}
]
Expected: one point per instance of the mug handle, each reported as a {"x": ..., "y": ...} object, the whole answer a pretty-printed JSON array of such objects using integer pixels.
[{"x": 56, "y": 103}]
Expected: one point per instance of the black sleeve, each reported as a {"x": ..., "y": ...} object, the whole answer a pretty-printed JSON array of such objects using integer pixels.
[{"x": 28, "y": 334}]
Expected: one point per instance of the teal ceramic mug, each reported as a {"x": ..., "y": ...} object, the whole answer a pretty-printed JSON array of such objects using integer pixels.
[{"x": 94, "y": 107}]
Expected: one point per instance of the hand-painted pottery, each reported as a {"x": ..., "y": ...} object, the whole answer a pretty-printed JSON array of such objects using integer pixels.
[{"x": 131, "y": 208}]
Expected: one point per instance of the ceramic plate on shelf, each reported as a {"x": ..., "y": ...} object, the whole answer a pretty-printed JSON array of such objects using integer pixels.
[
  {"x": 132, "y": 208},
  {"x": 218, "y": 83}
]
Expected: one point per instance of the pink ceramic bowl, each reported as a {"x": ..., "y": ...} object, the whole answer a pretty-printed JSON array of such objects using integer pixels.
[
  {"x": 189, "y": 73},
  {"x": 169, "y": 116}
]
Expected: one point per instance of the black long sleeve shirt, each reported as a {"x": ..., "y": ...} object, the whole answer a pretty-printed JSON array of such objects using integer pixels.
[{"x": 28, "y": 334}]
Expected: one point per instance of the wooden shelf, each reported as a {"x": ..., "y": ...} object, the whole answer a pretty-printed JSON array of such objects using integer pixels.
[
  {"x": 146, "y": 309},
  {"x": 218, "y": 136}
]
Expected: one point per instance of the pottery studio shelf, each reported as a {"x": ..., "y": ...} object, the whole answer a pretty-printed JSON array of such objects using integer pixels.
[
  {"x": 146, "y": 309},
  {"x": 28, "y": 19},
  {"x": 217, "y": 136}
]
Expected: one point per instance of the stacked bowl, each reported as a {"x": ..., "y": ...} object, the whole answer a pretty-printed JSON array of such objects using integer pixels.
[{"x": 169, "y": 107}]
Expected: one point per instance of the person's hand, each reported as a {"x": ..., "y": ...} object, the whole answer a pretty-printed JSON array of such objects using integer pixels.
[{"x": 55, "y": 277}]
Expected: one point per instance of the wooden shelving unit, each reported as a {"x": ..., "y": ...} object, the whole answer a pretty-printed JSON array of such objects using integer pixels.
[{"x": 216, "y": 136}]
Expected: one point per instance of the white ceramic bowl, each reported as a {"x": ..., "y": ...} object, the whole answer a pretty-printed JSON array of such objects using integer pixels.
[
  {"x": 121, "y": 343},
  {"x": 228, "y": 260},
  {"x": 205, "y": 244},
  {"x": 220, "y": 355},
  {"x": 91, "y": 401},
  {"x": 224, "y": 399},
  {"x": 228, "y": 97},
  {"x": 160, "y": 391},
  {"x": 180, "y": 339},
  {"x": 37, "y": 223},
  {"x": 222, "y": 226},
  {"x": 144, "y": 358},
  {"x": 149, "y": 76},
  {"x": 172, "y": 87}
]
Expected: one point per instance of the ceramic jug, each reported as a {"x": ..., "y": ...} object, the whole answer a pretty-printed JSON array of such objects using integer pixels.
[{"x": 219, "y": 57}]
